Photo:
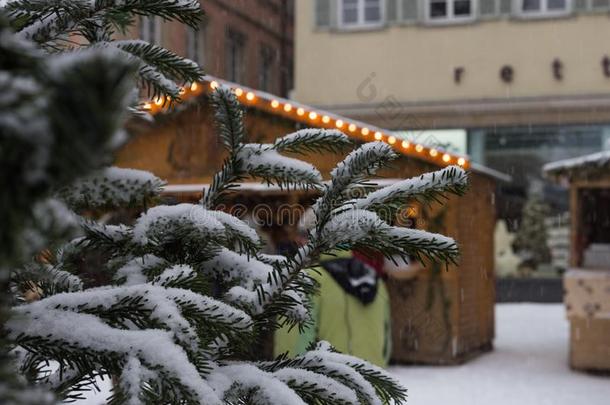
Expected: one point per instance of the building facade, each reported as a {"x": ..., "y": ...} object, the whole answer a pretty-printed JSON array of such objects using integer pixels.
[
  {"x": 244, "y": 41},
  {"x": 518, "y": 77}
]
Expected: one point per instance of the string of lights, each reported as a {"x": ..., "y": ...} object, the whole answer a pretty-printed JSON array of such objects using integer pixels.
[{"x": 311, "y": 116}]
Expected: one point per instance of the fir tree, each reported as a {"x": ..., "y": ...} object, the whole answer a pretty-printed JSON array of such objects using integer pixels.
[
  {"x": 531, "y": 239},
  {"x": 188, "y": 288}
]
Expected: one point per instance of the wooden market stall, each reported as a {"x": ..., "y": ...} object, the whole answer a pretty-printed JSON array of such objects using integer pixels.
[
  {"x": 587, "y": 282},
  {"x": 440, "y": 316}
]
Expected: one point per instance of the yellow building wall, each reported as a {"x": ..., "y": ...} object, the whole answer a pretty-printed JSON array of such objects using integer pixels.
[{"x": 415, "y": 63}]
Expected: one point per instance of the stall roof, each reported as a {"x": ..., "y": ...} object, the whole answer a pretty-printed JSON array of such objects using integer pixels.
[
  {"x": 594, "y": 162},
  {"x": 318, "y": 118},
  {"x": 254, "y": 187}
]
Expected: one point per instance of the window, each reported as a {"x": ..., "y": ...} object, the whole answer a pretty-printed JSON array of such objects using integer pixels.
[
  {"x": 195, "y": 45},
  {"x": 267, "y": 62},
  {"x": 538, "y": 8},
  {"x": 360, "y": 13},
  {"x": 234, "y": 56},
  {"x": 444, "y": 11},
  {"x": 150, "y": 30}
]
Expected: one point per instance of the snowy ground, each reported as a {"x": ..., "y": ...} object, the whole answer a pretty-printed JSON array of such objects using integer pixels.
[{"x": 527, "y": 367}]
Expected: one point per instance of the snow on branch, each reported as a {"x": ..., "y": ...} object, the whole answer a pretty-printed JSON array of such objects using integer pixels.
[
  {"x": 265, "y": 162},
  {"x": 365, "y": 160},
  {"x": 234, "y": 267},
  {"x": 452, "y": 179},
  {"x": 313, "y": 140},
  {"x": 167, "y": 221},
  {"x": 112, "y": 188},
  {"x": 304, "y": 382},
  {"x": 361, "y": 227},
  {"x": 79, "y": 340},
  {"x": 245, "y": 378}
]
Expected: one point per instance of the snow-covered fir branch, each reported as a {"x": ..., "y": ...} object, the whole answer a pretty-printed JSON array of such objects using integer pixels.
[{"x": 170, "y": 305}]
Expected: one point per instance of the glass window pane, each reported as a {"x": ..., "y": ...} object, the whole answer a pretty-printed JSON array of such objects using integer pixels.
[
  {"x": 556, "y": 4},
  {"x": 438, "y": 9},
  {"x": 461, "y": 7},
  {"x": 531, "y": 5},
  {"x": 350, "y": 15},
  {"x": 372, "y": 14}
]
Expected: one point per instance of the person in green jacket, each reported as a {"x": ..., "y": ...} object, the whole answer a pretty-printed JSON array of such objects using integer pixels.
[{"x": 351, "y": 311}]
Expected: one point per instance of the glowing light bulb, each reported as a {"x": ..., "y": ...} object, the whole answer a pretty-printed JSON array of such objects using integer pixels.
[
  {"x": 300, "y": 111},
  {"x": 182, "y": 91},
  {"x": 239, "y": 91},
  {"x": 433, "y": 152},
  {"x": 339, "y": 123},
  {"x": 406, "y": 144},
  {"x": 214, "y": 84},
  {"x": 419, "y": 148},
  {"x": 446, "y": 157},
  {"x": 365, "y": 131},
  {"x": 194, "y": 86},
  {"x": 392, "y": 140},
  {"x": 250, "y": 96},
  {"x": 461, "y": 161},
  {"x": 313, "y": 115},
  {"x": 325, "y": 119},
  {"x": 378, "y": 135},
  {"x": 147, "y": 106},
  {"x": 287, "y": 107},
  {"x": 352, "y": 127},
  {"x": 160, "y": 100},
  {"x": 275, "y": 103}
]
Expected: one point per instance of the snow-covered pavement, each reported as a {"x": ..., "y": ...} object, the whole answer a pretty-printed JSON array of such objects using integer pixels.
[{"x": 528, "y": 366}]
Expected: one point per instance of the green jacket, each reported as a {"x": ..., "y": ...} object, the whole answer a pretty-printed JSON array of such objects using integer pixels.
[{"x": 341, "y": 319}]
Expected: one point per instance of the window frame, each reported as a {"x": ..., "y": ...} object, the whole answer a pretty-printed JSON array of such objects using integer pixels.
[
  {"x": 266, "y": 54},
  {"x": 237, "y": 39},
  {"x": 148, "y": 22},
  {"x": 361, "y": 23},
  {"x": 450, "y": 18},
  {"x": 196, "y": 40},
  {"x": 543, "y": 12}
]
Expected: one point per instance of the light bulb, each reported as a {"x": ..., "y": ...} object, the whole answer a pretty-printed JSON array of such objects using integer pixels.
[
  {"x": 446, "y": 157},
  {"x": 339, "y": 123},
  {"x": 287, "y": 107},
  {"x": 194, "y": 86},
  {"x": 313, "y": 115},
  {"x": 365, "y": 131},
  {"x": 250, "y": 96},
  {"x": 214, "y": 84},
  {"x": 378, "y": 135},
  {"x": 461, "y": 161},
  {"x": 392, "y": 140},
  {"x": 419, "y": 148},
  {"x": 433, "y": 152},
  {"x": 275, "y": 103},
  {"x": 406, "y": 144},
  {"x": 325, "y": 119},
  {"x": 239, "y": 91},
  {"x": 352, "y": 127},
  {"x": 300, "y": 111}
]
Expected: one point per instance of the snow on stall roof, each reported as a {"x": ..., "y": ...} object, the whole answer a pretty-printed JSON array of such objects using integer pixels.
[{"x": 597, "y": 160}]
